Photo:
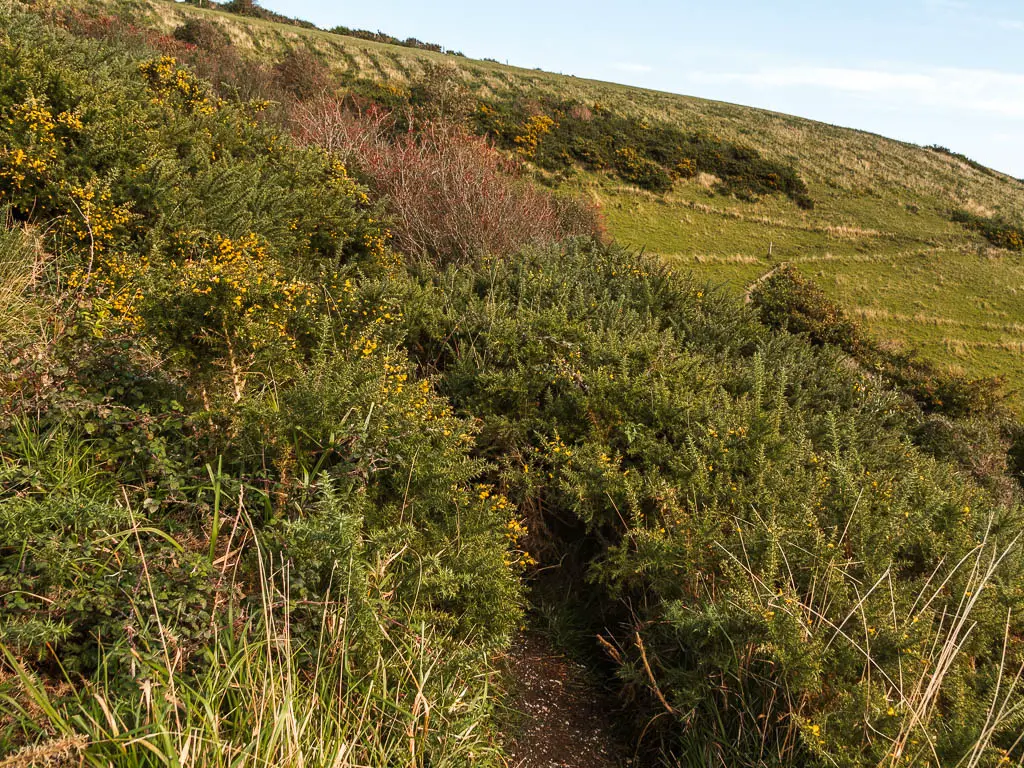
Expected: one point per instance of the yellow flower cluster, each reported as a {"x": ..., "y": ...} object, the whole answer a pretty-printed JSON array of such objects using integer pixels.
[
  {"x": 373, "y": 318},
  {"x": 515, "y": 529},
  {"x": 113, "y": 293},
  {"x": 169, "y": 81},
  {"x": 31, "y": 146},
  {"x": 392, "y": 89},
  {"x": 96, "y": 218},
  {"x": 338, "y": 177},
  {"x": 535, "y": 128},
  {"x": 250, "y": 293},
  {"x": 686, "y": 168},
  {"x": 30, "y": 173},
  {"x": 395, "y": 377}
]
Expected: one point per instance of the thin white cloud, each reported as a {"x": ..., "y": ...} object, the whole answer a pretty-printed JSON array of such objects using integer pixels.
[
  {"x": 975, "y": 90},
  {"x": 625, "y": 66},
  {"x": 1012, "y": 24}
]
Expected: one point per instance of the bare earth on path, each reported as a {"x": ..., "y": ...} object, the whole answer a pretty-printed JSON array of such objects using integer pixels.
[{"x": 564, "y": 721}]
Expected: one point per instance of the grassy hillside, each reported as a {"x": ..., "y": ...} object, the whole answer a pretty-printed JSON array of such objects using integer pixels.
[
  {"x": 311, "y": 396},
  {"x": 880, "y": 238}
]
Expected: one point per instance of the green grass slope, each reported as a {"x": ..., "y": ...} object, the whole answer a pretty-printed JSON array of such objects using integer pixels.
[{"x": 880, "y": 238}]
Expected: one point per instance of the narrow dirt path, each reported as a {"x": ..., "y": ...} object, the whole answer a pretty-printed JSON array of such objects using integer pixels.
[{"x": 564, "y": 720}]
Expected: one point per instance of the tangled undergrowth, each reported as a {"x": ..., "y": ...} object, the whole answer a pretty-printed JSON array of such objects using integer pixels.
[{"x": 273, "y": 482}]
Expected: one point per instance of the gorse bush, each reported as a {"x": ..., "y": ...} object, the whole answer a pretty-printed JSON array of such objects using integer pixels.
[
  {"x": 638, "y": 170},
  {"x": 787, "y": 301},
  {"x": 650, "y": 155},
  {"x": 221, "y": 385},
  {"x": 772, "y": 566},
  {"x": 285, "y": 426},
  {"x": 961, "y": 419},
  {"x": 202, "y": 34},
  {"x": 1000, "y": 233}
]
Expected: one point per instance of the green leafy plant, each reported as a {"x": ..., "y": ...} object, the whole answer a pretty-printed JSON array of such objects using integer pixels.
[{"x": 772, "y": 565}]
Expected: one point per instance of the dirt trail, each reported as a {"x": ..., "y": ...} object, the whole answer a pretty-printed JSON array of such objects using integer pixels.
[{"x": 565, "y": 721}]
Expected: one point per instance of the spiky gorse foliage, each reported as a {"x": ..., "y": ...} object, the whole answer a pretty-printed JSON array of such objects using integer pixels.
[
  {"x": 998, "y": 231},
  {"x": 780, "y": 575},
  {"x": 221, "y": 384},
  {"x": 267, "y": 488}
]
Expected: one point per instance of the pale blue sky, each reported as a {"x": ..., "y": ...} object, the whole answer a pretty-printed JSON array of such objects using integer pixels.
[{"x": 947, "y": 72}]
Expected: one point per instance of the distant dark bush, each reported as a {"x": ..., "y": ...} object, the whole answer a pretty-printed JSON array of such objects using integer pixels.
[
  {"x": 636, "y": 169},
  {"x": 997, "y": 231},
  {"x": 302, "y": 73},
  {"x": 254, "y": 9},
  {"x": 788, "y": 301},
  {"x": 202, "y": 34},
  {"x": 648, "y": 154},
  {"x": 382, "y": 37}
]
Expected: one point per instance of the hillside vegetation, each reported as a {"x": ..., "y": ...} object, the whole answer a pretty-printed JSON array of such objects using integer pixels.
[
  {"x": 880, "y": 239},
  {"x": 316, "y": 386}
]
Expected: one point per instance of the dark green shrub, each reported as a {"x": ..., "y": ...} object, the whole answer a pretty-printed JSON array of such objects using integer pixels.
[
  {"x": 202, "y": 34},
  {"x": 788, "y": 301},
  {"x": 739, "y": 514},
  {"x": 997, "y": 231},
  {"x": 302, "y": 74},
  {"x": 961, "y": 420},
  {"x": 639, "y": 170}
]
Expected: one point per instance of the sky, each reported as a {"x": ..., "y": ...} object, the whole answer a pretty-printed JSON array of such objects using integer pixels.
[{"x": 947, "y": 72}]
